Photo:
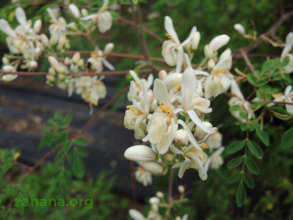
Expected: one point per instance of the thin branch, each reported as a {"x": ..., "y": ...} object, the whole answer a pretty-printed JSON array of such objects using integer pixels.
[
  {"x": 113, "y": 73},
  {"x": 247, "y": 61}
]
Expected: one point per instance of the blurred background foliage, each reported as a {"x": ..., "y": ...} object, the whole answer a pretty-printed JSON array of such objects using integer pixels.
[{"x": 272, "y": 196}]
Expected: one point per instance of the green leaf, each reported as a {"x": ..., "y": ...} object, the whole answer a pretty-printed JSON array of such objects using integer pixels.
[
  {"x": 287, "y": 139},
  {"x": 270, "y": 65},
  {"x": 240, "y": 195},
  {"x": 249, "y": 181},
  {"x": 252, "y": 165},
  {"x": 255, "y": 149},
  {"x": 234, "y": 147},
  {"x": 235, "y": 162},
  {"x": 263, "y": 136},
  {"x": 234, "y": 178},
  {"x": 78, "y": 167},
  {"x": 80, "y": 141},
  {"x": 81, "y": 152}
]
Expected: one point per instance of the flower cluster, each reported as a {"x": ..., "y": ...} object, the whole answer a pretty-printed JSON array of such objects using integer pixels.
[
  {"x": 27, "y": 45},
  {"x": 170, "y": 113}
]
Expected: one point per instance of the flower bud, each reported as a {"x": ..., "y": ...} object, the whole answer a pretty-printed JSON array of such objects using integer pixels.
[
  {"x": 152, "y": 167},
  {"x": 195, "y": 40},
  {"x": 8, "y": 77},
  {"x": 139, "y": 153},
  {"x": 160, "y": 195},
  {"x": 181, "y": 189},
  {"x": 208, "y": 51},
  {"x": 215, "y": 140},
  {"x": 109, "y": 47},
  {"x": 8, "y": 68},
  {"x": 76, "y": 57},
  {"x": 32, "y": 64},
  {"x": 219, "y": 41},
  {"x": 84, "y": 12},
  {"x": 44, "y": 40},
  {"x": 162, "y": 74},
  {"x": 211, "y": 63},
  {"x": 74, "y": 10},
  {"x": 239, "y": 28},
  {"x": 181, "y": 136},
  {"x": 38, "y": 26}
]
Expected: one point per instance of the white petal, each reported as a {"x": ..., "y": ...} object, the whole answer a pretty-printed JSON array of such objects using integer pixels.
[
  {"x": 89, "y": 17},
  {"x": 179, "y": 59},
  {"x": 20, "y": 16},
  {"x": 190, "y": 36},
  {"x": 108, "y": 64},
  {"x": 288, "y": 44},
  {"x": 5, "y": 27},
  {"x": 190, "y": 135},
  {"x": 169, "y": 27},
  {"x": 161, "y": 92},
  {"x": 287, "y": 90},
  {"x": 236, "y": 90},
  {"x": 193, "y": 116},
  {"x": 136, "y": 215},
  {"x": 188, "y": 89},
  {"x": 219, "y": 41}
]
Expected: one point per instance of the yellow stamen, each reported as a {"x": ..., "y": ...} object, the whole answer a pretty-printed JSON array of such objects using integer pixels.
[
  {"x": 204, "y": 146},
  {"x": 178, "y": 88},
  {"x": 16, "y": 155},
  {"x": 219, "y": 71},
  {"x": 105, "y": 8},
  {"x": 168, "y": 35},
  {"x": 165, "y": 109},
  {"x": 277, "y": 95},
  {"x": 129, "y": 106}
]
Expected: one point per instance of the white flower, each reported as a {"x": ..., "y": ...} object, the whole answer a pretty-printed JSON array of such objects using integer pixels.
[
  {"x": 195, "y": 159},
  {"x": 215, "y": 44},
  {"x": 216, "y": 160},
  {"x": 214, "y": 141},
  {"x": 143, "y": 176},
  {"x": 74, "y": 10},
  {"x": 239, "y": 28},
  {"x": 160, "y": 131},
  {"x": 220, "y": 79},
  {"x": 287, "y": 97},
  {"x": 139, "y": 153},
  {"x": 173, "y": 51},
  {"x": 102, "y": 18},
  {"x": 240, "y": 101}
]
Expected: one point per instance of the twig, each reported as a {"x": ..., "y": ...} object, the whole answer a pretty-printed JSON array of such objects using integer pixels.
[
  {"x": 247, "y": 61},
  {"x": 113, "y": 73},
  {"x": 271, "y": 31}
]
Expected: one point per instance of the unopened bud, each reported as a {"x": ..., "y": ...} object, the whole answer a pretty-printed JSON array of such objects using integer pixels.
[
  {"x": 181, "y": 189},
  {"x": 139, "y": 153},
  {"x": 38, "y": 26},
  {"x": 239, "y": 28},
  {"x": 153, "y": 167},
  {"x": 74, "y": 10},
  {"x": 219, "y": 41},
  {"x": 162, "y": 74},
  {"x": 109, "y": 47},
  {"x": 76, "y": 57},
  {"x": 181, "y": 136},
  {"x": 211, "y": 63}
]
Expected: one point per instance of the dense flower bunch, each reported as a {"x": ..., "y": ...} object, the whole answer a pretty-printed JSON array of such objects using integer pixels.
[
  {"x": 27, "y": 45},
  {"x": 170, "y": 113}
]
